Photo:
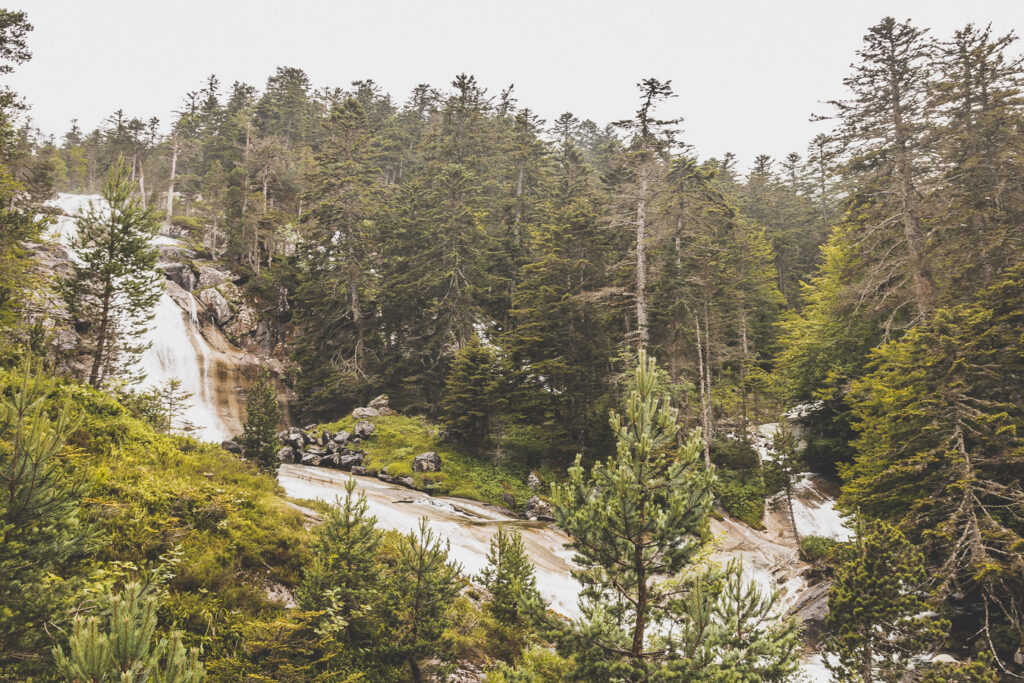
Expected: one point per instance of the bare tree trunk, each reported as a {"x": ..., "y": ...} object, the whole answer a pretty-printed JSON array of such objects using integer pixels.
[
  {"x": 705, "y": 399},
  {"x": 745, "y": 350},
  {"x": 142, "y": 185},
  {"x": 641, "y": 261},
  {"x": 923, "y": 286},
  {"x": 96, "y": 375},
  {"x": 170, "y": 186}
]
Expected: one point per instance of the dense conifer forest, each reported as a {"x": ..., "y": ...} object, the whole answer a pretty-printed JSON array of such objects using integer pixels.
[{"x": 508, "y": 282}]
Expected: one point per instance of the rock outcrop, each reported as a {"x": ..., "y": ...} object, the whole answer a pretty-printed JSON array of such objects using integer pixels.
[
  {"x": 327, "y": 449},
  {"x": 427, "y": 462},
  {"x": 538, "y": 509}
]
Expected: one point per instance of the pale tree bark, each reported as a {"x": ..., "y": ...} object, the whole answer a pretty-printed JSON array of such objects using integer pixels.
[
  {"x": 705, "y": 393},
  {"x": 170, "y": 186},
  {"x": 641, "y": 261}
]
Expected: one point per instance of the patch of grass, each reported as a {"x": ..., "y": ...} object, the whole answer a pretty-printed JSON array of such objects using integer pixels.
[{"x": 398, "y": 439}]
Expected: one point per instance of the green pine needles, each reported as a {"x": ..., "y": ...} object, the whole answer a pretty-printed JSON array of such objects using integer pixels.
[
  {"x": 259, "y": 433},
  {"x": 639, "y": 526},
  {"x": 123, "y": 646},
  {"x": 115, "y": 284},
  {"x": 878, "y": 614}
]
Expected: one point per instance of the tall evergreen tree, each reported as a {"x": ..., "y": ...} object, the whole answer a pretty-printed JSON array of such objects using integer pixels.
[
  {"x": 978, "y": 89},
  {"x": 563, "y": 337},
  {"x": 883, "y": 134},
  {"x": 473, "y": 397},
  {"x": 335, "y": 298},
  {"x": 650, "y": 142},
  {"x": 115, "y": 285},
  {"x": 938, "y": 453},
  {"x": 262, "y": 416}
]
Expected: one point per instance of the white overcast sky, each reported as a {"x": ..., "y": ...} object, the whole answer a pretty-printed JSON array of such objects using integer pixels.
[{"x": 748, "y": 72}]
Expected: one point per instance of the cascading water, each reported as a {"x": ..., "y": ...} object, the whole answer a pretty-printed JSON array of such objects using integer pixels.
[{"x": 177, "y": 348}]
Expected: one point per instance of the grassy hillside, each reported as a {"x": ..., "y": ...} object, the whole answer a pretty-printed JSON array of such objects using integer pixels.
[{"x": 226, "y": 528}]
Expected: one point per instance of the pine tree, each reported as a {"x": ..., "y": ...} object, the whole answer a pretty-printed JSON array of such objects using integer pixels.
[
  {"x": 343, "y": 579},
  {"x": 124, "y": 646},
  {"x": 563, "y": 335},
  {"x": 336, "y": 306},
  {"x": 509, "y": 577},
  {"x": 651, "y": 141},
  {"x": 41, "y": 525},
  {"x": 978, "y": 92},
  {"x": 262, "y": 416},
  {"x": 115, "y": 285},
  {"x": 424, "y": 585},
  {"x": 173, "y": 404},
  {"x": 787, "y": 459},
  {"x": 472, "y": 396},
  {"x": 636, "y": 523},
  {"x": 878, "y": 616}
]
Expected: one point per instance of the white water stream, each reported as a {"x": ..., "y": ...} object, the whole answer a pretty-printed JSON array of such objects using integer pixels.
[
  {"x": 769, "y": 557},
  {"x": 177, "y": 346}
]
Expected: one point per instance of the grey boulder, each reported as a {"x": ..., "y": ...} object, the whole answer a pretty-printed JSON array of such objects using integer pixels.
[{"x": 427, "y": 462}]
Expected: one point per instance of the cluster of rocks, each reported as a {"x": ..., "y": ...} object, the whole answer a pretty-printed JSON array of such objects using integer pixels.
[
  {"x": 339, "y": 450},
  {"x": 326, "y": 449}
]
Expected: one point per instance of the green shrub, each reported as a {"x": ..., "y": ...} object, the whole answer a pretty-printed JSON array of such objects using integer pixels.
[
  {"x": 742, "y": 496},
  {"x": 816, "y": 549},
  {"x": 189, "y": 224},
  {"x": 465, "y": 492},
  {"x": 733, "y": 454}
]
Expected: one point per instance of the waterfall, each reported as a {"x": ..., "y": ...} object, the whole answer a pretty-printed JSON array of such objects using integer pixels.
[{"x": 177, "y": 348}]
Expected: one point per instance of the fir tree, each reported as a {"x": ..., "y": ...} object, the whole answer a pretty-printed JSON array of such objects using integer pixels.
[
  {"x": 883, "y": 133},
  {"x": 336, "y": 292},
  {"x": 938, "y": 453},
  {"x": 787, "y": 459},
  {"x": 424, "y": 585},
  {"x": 262, "y": 416},
  {"x": 343, "y": 579},
  {"x": 563, "y": 334},
  {"x": 472, "y": 396},
  {"x": 878, "y": 613},
  {"x": 509, "y": 577},
  {"x": 651, "y": 141},
  {"x": 173, "y": 404},
  {"x": 115, "y": 285},
  {"x": 124, "y": 646}
]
